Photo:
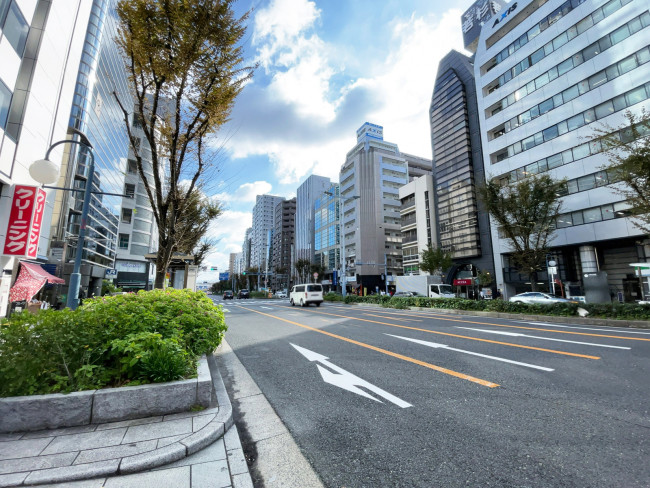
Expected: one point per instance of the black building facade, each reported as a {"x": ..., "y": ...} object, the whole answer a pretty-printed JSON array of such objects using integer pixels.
[{"x": 463, "y": 224}]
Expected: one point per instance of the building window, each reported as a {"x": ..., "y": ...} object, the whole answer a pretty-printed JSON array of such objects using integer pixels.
[
  {"x": 127, "y": 215},
  {"x": 5, "y": 101},
  {"x": 124, "y": 241},
  {"x": 14, "y": 25},
  {"x": 132, "y": 166},
  {"x": 129, "y": 190}
]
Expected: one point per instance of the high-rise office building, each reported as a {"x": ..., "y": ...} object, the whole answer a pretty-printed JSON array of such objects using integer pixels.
[
  {"x": 306, "y": 196},
  {"x": 463, "y": 223},
  {"x": 548, "y": 74},
  {"x": 95, "y": 111},
  {"x": 246, "y": 250},
  {"x": 41, "y": 43},
  {"x": 370, "y": 179},
  {"x": 283, "y": 242},
  {"x": 418, "y": 221},
  {"x": 327, "y": 235},
  {"x": 263, "y": 223}
]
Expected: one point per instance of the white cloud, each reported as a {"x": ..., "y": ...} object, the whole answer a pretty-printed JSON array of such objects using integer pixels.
[
  {"x": 305, "y": 119},
  {"x": 246, "y": 193}
]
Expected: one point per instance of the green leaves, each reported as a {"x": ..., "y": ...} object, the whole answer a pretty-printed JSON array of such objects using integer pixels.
[
  {"x": 525, "y": 213},
  {"x": 109, "y": 341},
  {"x": 435, "y": 260}
]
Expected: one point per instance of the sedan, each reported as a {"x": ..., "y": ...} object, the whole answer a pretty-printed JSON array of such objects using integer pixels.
[
  {"x": 536, "y": 297},
  {"x": 228, "y": 295},
  {"x": 244, "y": 294}
]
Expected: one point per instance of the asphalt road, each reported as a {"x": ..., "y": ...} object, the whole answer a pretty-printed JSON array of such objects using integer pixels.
[{"x": 477, "y": 402}]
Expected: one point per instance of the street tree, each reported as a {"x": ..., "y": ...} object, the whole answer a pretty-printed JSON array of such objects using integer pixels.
[
  {"x": 525, "y": 213},
  {"x": 198, "y": 212},
  {"x": 435, "y": 260},
  {"x": 185, "y": 67},
  {"x": 302, "y": 268},
  {"x": 628, "y": 150}
]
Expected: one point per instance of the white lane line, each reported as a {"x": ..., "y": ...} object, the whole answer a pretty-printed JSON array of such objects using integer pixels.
[
  {"x": 444, "y": 346},
  {"x": 516, "y": 334},
  {"x": 267, "y": 308},
  {"x": 600, "y": 329}
]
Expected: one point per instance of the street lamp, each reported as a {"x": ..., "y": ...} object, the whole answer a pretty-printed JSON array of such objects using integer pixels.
[
  {"x": 45, "y": 171},
  {"x": 337, "y": 196}
]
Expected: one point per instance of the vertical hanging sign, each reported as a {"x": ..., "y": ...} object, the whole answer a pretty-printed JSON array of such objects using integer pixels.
[{"x": 25, "y": 220}]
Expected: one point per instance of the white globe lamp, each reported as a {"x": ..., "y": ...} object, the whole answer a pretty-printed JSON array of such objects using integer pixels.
[{"x": 44, "y": 171}]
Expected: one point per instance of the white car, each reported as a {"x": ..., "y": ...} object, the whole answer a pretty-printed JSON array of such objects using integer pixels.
[
  {"x": 281, "y": 294},
  {"x": 539, "y": 298}
]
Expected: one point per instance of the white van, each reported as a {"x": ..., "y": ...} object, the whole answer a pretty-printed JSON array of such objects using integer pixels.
[{"x": 305, "y": 294}]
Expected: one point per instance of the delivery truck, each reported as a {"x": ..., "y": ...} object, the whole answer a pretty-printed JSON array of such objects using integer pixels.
[{"x": 425, "y": 285}]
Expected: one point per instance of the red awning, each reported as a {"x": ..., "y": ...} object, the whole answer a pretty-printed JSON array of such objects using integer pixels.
[{"x": 31, "y": 278}]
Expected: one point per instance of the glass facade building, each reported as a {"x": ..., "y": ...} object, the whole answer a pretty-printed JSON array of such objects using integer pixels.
[
  {"x": 327, "y": 235},
  {"x": 306, "y": 195},
  {"x": 96, "y": 113},
  {"x": 463, "y": 225}
]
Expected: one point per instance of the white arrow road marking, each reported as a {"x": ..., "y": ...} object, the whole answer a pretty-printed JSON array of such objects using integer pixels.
[
  {"x": 601, "y": 329},
  {"x": 516, "y": 334},
  {"x": 444, "y": 346},
  {"x": 346, "y": 380}
]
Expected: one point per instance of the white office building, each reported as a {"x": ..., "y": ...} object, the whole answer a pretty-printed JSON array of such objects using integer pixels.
[
  {"x": 370, "y": 179},
  {"x": 418, "y": 222},
  {"x": 40, "y": 47},
  {"x": 263, "y": 223},
  {"x": 548, "y": 74}
]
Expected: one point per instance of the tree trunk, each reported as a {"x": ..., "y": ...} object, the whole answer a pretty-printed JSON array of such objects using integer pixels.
[{"x": 533, "y": 281}]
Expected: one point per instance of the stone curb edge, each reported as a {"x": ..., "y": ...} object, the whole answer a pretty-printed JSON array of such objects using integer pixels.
[
  {"x": 639, "y": 324},
  {"x": 151, "y": 459}
]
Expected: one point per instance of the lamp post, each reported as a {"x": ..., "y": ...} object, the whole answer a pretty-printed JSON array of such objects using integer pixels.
[
  {"x": 45, "y": 171},
  {"x": 337, "y": 196}
]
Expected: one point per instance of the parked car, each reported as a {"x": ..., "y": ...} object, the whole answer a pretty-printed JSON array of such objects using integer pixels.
[
  {"x": 244, "y": 293},
  {"x": 407, "y": 294},
  {"x": 305, "y": 294},
  {"x": 228, "y": 295},
  {"x": 281, "y": 294},
  {"x": 536, "y": 297}
]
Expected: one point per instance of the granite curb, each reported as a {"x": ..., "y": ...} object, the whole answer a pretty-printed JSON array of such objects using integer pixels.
[
  {"x": 639, "y": 324},
  {"x": 174, "y": 451}
]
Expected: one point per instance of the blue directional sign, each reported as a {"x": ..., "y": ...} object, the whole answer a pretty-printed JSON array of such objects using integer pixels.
[{"x": 224, "y": 276}]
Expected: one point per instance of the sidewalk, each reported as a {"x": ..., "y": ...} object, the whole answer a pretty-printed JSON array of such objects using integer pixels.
[{"x": 180, "y": 450}]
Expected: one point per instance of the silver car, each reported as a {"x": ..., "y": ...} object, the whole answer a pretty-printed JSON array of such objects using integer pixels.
[{"x": 539, "y": 298}]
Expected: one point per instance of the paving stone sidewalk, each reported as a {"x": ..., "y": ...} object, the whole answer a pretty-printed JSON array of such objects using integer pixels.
[{"x": 192, "y": 449}]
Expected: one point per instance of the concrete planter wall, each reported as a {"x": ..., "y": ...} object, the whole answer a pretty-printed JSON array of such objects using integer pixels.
[{"x": 40, "y": 412}]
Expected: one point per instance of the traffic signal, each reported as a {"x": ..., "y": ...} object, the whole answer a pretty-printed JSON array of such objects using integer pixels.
[
  {"x": 244, "y": 273},
  {"x": 213, "y": 268}
]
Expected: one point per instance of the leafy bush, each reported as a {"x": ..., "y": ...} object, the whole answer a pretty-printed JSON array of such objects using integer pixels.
[
  {"x": 109, "y": 341},
  {"x": 333, "y": 297},
  {"x": 623, "y": 311}
]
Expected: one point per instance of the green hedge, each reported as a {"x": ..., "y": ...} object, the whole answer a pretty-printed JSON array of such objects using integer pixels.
[
  {"x": 622, "y": 311},
  {"x": 152, "y": 336},
  {"x": 333, "y": 297}
]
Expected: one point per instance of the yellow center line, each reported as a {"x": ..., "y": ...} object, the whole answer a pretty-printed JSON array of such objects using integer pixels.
[
  {"x": 444, "y": 317},
  {"x": 393, "y": 318},
  {"x": 564, "y": 353},
  {"x": 389, "y": 353}
]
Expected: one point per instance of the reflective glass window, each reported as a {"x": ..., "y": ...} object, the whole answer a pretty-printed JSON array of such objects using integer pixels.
[
  {"x": 565, "y": 66},
  {"x": 607, "y": 212},
  {"x": 554, "y": 161},
  {"x": 592, "y": 215},
  {"x": 581, "y": 151},
  {"x": 590, "y": 51},
  {"x": 15, "y": 28},
  {"x": 545, "y": 106},
  {"x": 586, "y": 182},
  {"x": 627, "y": 64},
  {"x": 576, "y": 121},
  {"x": 550, "y": 133},
  {"x": 610, "y": 7},
  {"x": 590, "y": 116},
  {"x": 597, "y": 79},
  {"x": 572, "y": 186},
  {"x": 5, "y": 101},
  {"x": 562, "y": 127},
  {"x": 643, "y": 56},
  {"x": 604, "y": 109},
  {"x": 577, "y": 218},
  {"x": 619, "y": 103},
  {"x": 635, "y": 96},
  {"x": 623, "y": 32},
  {"x": 540, "y": 81},
  {"x": 570, "y": 93},
  {"x": 604, "y": 43}
]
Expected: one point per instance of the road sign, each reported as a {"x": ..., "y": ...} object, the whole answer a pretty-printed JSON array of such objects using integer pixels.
[
  {"x": 224, "y": 276},
  {"x": 346, "y": 380},
  {"x": 552, "y": 270},
  {"x": 315, "y": 276}
]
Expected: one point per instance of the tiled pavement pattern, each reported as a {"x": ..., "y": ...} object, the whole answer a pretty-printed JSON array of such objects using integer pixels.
[{"x": 179, "y": 450}]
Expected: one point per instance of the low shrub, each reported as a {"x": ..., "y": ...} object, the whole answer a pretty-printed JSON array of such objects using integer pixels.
[
  {"x": 622, "y": 311},
  {"x": 333, "y": 297},
  {"x": 259, "y": 294},
  {"x": 109, "y": 341}
]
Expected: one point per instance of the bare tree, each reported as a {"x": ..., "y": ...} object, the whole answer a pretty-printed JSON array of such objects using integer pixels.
[{"x": 184, "y": 62}]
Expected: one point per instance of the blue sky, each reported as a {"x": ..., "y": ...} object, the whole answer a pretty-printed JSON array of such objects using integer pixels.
[{"x": 325, "y": 68}]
